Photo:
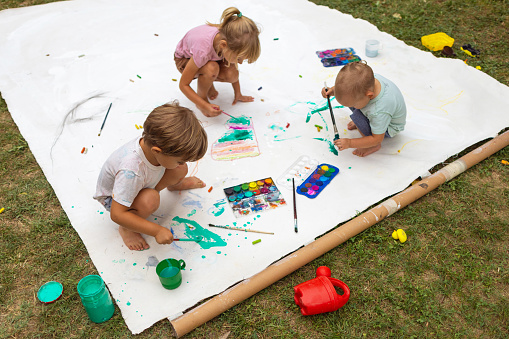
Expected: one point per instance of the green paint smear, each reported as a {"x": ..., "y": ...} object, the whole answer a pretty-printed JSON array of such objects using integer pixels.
[
  {"x": 320, "y": 109},
  {"x": 276, "y": 138},
  {"x": 242, "y": 120},
  {"x": 209, "y": 239},
  {"x": 332, "y": 147},
  {"x": 192, "y": 212},
  {"x": 218, "y": 208},
  {"x": 276, "y": 128},
  {"x": 236, "y": 135}
]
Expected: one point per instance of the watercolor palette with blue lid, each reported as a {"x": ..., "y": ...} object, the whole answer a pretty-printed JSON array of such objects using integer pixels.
[
  {"x": 317, "y": 181},
  {"x": 254, "y": 197},
  {"x": 340, "y": 60}
]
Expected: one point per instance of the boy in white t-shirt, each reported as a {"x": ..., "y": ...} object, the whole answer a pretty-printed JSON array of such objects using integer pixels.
[
  {"x": 378, "y": 107},
  {"x": 132, "y": 177}
]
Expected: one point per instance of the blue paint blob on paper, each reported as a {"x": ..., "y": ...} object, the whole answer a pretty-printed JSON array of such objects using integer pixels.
[{"x": 152, "y": 261}]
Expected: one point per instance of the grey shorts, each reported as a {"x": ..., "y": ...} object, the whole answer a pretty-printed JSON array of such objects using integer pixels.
[
  {"x": 362, "y": 122},
  {"x": 107, "y": 204}
]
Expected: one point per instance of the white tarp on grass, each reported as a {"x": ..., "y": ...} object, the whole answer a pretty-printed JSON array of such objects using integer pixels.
[{"x": 62, "y": 64}]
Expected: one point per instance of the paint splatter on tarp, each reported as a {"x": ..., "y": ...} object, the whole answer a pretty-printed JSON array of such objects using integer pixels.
[
  {"x": 332, "y": 147},
  {"x": 152, "y": 261},
  {"x": 189, "y": 201},
  {"x": 194, "y": 231},
  {"x": 280, "y": 133},
  {"x": 218, "y": 208},
  {"x": 238, "y": 142}
]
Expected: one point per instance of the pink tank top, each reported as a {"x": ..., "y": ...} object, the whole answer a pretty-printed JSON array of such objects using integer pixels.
[{"x": 198, "y": 43}]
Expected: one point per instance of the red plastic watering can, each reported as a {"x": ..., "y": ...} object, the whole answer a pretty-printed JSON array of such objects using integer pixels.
[{"x": 318, "y": 295}]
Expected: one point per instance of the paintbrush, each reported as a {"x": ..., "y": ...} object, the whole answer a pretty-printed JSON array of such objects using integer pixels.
[
  {"x": 294, "y": 208},
  {"x": 336, "y": 134},
  {"x": 239, "y": 229},
  {"x": 104, "y": 121},
  {"x": 229, "y": 115},
  {"x": 198, "y": 239}
]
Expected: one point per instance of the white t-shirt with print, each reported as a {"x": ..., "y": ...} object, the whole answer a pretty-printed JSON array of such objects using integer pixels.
[{"x": 125, "y": 173}]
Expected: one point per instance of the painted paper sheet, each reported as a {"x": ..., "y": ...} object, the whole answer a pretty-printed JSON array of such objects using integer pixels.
[{"x": 62, "y": 64}]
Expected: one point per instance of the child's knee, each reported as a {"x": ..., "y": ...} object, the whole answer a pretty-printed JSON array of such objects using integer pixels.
[
  {"x": 147, "y": 201},
  {"x": 211, "y": 69},
  {"x": 181, "y": 171},
  {"x": 231, "y": 74}
]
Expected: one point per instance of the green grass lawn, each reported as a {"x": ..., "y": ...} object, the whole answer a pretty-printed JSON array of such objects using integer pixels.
[{"x": 450, "y": 279}]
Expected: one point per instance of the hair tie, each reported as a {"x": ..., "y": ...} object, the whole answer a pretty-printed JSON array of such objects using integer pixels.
[{"x": 239, "y": 15}]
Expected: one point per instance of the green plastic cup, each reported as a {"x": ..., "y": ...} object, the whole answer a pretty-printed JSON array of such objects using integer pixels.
[
  {"x": 95, "y": 298},
  {"x": 169, "y": 272}
]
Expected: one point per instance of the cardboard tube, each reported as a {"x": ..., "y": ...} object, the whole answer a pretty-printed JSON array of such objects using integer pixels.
[{"x": 248, "y": 287}]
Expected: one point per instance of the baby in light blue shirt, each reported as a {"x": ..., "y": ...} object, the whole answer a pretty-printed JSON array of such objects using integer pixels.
[{"x": 378, "y": 107}]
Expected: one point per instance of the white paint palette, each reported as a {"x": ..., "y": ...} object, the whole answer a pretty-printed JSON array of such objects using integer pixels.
[{"x": 299, "y": 170}]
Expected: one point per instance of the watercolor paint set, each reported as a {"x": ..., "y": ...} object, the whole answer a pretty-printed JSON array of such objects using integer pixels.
[
  {"x": 332, "y": 53},
  {"x": 254, "y": 197},
  {"x": 317, "y": 181},
  {"x": 337, "y": 57},
  {"x": 340, "y": 60},
  {"x": 299, "y": 170}
]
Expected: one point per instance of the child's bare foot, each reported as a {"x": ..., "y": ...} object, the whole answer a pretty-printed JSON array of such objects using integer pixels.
[
  {"x": 351, "y": 126},
  {"x": 187, "y": 183},
  {"x": 134, "y": 241},
  {"x": 362, "y": 152},
  {"x": 212, "y": 94}
]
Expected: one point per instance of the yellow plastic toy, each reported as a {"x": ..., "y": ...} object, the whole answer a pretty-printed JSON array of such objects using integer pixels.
[
  {"x": 437, "y": 41},
  {"x": 399, "y": 234}
]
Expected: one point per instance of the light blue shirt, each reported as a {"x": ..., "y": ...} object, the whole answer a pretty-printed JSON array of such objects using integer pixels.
[{"x": 386, "y": 112}]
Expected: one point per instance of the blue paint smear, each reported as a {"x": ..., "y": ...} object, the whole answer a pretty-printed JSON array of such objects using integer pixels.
[{"x": 193, "y": 203}]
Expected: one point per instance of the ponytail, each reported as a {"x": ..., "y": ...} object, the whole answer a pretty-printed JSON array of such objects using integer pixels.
[{"x": 241, "y": 34}]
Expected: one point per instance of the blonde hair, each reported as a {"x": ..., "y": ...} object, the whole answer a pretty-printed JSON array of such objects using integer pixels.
[
  {"x": 354, "y": 80},
  {"x": 176, "y": 131},
  {"x": 241, "y": 34}
]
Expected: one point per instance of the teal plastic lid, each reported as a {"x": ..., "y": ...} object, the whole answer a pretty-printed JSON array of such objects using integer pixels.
[{"x": 50, "y": 292}]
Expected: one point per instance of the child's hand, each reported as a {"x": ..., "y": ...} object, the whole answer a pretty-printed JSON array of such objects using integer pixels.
[
  {"x": 164, "y": 236},
  {"x": 242, "y": 98},
  {"x": 327, "y": 91},
  {"x": 211, "y": 110},
  {"x": 342, "y": 144}
]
